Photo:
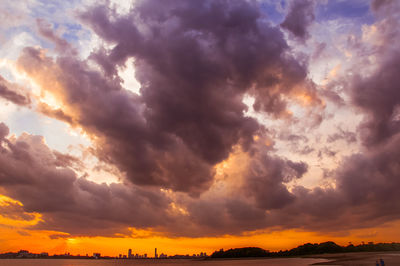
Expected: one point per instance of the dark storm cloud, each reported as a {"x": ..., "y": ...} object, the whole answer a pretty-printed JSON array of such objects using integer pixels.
[
  {"x": 373, "y": 177},
  {"x": 262, "y": 191},
  {"x": 44, "y": 182},
  {"x": 193, "y": 48},
  {"x": 360, "y": 199},
  {"x": 195, "y": 61},
  {"x": 215, "y": 216},
  {"x": 300, "y": 16},
  {"x": 369, "y": 181},
  {"x": 114, "y": 116},
  {"x": 378, "y": 94},
  {"x": 366, "y": 182},
  {"x": 11, "y": 93},
  {"x": 314, "y": 209},
  {"x": 31, "y": 173},
  {"x": 266, "y": 178},
  {"x": 366, "y": 193}
]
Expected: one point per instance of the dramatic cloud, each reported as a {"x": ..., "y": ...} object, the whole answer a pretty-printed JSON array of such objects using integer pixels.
[
  {"x": 266, "y": 178},
  {"x": 372, "y": 179},
  {"x": 43, "y": 182},
  {"x": 365, "y": 182},
  {"x": 150, "y": 157},
  {"x": 195, "y": 62},
  {"x": 377, "y": 93},
  {"x": 228, "y": 132}
]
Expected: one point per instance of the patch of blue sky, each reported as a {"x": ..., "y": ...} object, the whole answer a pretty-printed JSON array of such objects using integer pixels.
[
  {"x": 61, "y": 15},
  {"x": 56, "y": 8},
  {"x": 271, "y": 10},
  {"x": 359, "y": 10},
  {"x": 58, "y": 13},
  {"x": 12, "y": 31},
  {"x": 34, "y": 38},
  {"x": 72, "y": 32},
  {"x": 55, "y": 132}
]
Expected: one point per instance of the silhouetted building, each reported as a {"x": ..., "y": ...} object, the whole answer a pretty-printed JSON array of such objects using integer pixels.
[
  {"x": 155, "y": 253},
  {"x": 129, "y": 253}
]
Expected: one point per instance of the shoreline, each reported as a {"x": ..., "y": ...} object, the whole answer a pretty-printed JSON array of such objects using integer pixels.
[{"x": 358, "y": 258}]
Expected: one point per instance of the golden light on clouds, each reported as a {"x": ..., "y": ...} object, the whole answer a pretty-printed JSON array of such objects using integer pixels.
[
  {"x": 34, "y": 84},
  {"x": 5, "y": 201},
  {"x": 193, "y": 135},
  {"x": 305, "y": 98},
  {"x": 15, "y": 217},
  {"x": 230, "y": 171}
]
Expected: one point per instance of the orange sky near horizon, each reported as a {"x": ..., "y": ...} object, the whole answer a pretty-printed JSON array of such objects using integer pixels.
[{"x": 16, "y": 235}]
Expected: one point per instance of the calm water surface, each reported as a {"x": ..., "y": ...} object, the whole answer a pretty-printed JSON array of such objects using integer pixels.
[{"x": 249, "y": 262}]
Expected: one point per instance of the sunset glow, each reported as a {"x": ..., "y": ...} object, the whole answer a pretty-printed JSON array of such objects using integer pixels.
[{"x": 191, "y": 126}]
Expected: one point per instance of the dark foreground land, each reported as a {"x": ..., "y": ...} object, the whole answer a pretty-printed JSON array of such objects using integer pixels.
[
  {"x": 363, "y": 254},
  {"x": 359, "y": 258},
  {"x": 308, "y": 249}
]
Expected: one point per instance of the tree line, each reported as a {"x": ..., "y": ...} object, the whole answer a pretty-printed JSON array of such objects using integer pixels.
[{"x": 306, "y": 249}]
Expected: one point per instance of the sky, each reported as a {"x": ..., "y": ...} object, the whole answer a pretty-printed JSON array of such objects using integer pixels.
[{"x": 192, "y": 126}]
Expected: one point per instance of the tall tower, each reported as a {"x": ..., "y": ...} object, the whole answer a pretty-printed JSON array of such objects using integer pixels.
[
  {"x": 155, "y": 253},
  {"x": 129, "y": 253}
]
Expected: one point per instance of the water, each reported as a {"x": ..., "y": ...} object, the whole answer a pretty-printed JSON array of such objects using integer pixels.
[{"x": 149, "y": 262}]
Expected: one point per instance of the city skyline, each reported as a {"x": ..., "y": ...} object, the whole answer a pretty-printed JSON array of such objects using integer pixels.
[
  {"x": 190, "y": 126},
  {"x": 97, "y": 255}
]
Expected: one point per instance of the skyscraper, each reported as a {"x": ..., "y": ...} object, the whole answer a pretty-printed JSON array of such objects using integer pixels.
[
  {"x": 155, "y": 253},
  {"x": 129, "y": 253}
]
